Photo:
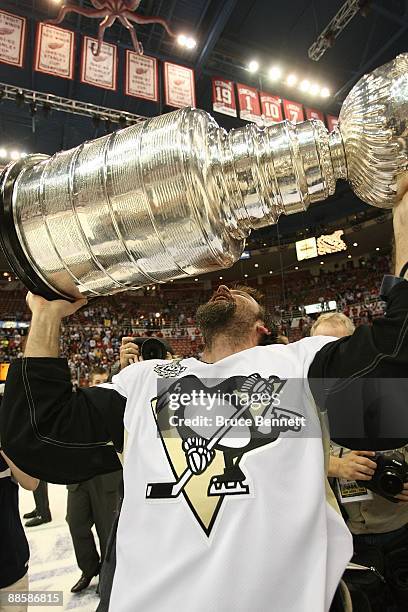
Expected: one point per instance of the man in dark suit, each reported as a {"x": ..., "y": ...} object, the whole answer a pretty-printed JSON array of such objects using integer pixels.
[{"x": 93, "y": 502}]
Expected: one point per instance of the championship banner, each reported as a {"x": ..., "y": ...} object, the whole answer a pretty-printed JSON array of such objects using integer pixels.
[
  {"x": 249, "y": 107},
  {"x": 332, "y": 122},
  {"x": 312, "y": 113},
  {"x": 12, "y": 39},
  {"x": 54, "y": 51},
  {"x": 141, "y": 76},
  {"x": 99, "y": 70},
  {"x": 223, "y": 97},
  {"x": 179, "y": 87},
  {"x": 271, "y": 107},
  {"x": 293, "y": 111}
]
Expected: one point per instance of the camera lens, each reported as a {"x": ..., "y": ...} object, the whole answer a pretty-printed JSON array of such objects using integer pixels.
[
  {"x": 153, "y": 348},
  {"x": 391, "y": 483}
]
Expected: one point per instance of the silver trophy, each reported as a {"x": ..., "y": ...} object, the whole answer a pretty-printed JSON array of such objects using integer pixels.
[{"x": 177, "y": 196}]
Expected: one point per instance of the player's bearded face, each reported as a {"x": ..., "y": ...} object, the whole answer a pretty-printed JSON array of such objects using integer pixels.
[{"x": 227, "y": 314}]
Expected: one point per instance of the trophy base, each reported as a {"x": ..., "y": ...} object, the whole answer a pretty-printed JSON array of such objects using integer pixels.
[{"x": 9, "y": 240}]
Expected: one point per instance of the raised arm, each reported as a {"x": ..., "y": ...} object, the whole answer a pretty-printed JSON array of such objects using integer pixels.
[
  {"x": 362, "y": 380},
  {"x": 46, "y": 429}
]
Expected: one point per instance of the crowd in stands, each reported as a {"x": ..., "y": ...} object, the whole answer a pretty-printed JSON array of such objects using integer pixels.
[{"x": 92, "y": 337}]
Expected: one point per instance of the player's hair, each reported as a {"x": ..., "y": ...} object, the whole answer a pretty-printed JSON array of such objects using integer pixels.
[
  {"x": 333, "y": 318},
  {"x": 97, "y": 371}
]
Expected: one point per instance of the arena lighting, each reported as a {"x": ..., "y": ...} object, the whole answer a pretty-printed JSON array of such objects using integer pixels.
[
  {"x": 291, "y": 80},
  {"x": 275, "y": 73},
  {"x": 157, "y": 315},
  {"x": 14, "y": 155},
  {"x": 355, "y": 244},
  {"x": 186, "y": 41},
  {"x": 196, "y": 279},
  {"x": 253, "y": 66},
  {"x": 314, "y": 89},
  {"x": 296, "y": 267},
  {"x": 5, "y": 273},
  {"x": 322, "y": 263},
  {"x": 305, "y": 85},
  {"x": 377, "y": 248},
  {"x": 220, "y": 277},
  {"x": 270, "y": 271},
  {"x": 245, "y": 275},
  {"x": 256, "y": 265},
  {"x": 3, "y": 153},
  {"x": 325, "y": 92},
  {"x": 348, "y": 256}
]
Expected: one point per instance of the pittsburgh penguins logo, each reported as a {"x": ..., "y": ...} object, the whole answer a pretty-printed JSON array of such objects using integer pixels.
[{"x": 207, "y": 429}]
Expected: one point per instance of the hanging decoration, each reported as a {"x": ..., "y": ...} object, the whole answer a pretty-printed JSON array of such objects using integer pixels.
[{"x": 109, "y": 11}]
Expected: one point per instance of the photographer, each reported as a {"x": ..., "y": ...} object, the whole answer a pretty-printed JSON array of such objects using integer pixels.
[{"x": 199, "y": 530}]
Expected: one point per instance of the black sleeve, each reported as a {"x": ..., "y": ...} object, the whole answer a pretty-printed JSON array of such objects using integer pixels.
[
  {"x": 361, "y": 380},
  {"x": 53, "y": 433}
]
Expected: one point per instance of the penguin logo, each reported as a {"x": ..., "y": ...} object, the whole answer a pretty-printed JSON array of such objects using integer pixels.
[{"x": 206, "y": 435}]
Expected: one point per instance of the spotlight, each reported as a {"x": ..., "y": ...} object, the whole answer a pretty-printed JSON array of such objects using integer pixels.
[
  {"x": 377, "y": 248},
  {"x": 348, "y": 256},
  {"x": 196, "y": 279},
  {"x": 256, "y": 265},
  {"x": 186, "y": 41},
  {"x": 14, "y": 155},
  {"x": 270, "y": 271},
  {"x": 253, "y": 66},
  {"x": 275, "y": 73},
  {"x": 20, "y": 99},
  {"x": 304, "y": 86},
  {"x": 314, "y": 89},
  {"x": 325, "y": 92},
  {"x": 5, "y": 273},
  {"x": 220, "y": 277},
  {"x": 3, "y": 153},
  {"x": 23, "y": 154},
  {"x": 296, "y": 267},
  {"x": 245, "y": 275},
  {"x": 322, "y": 263},
  {"x": 291, "y": 80},
  {"x": 355, "y": 244}
]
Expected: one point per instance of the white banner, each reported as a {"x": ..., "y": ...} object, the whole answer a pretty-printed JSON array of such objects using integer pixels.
[
  {"x": 141, "y": 76},
  {"x": 179, "y": 85},
  {"x": 54, "y": 53},
  {"x": 99, "y": 70},
  {"x": 12, "y": 38}
]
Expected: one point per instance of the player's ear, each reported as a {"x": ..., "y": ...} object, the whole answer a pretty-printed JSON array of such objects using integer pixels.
[{"x": 261, "y": 329}]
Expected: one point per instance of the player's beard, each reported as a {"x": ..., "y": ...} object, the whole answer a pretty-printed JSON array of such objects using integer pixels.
[{"x": 222, "y": 318}]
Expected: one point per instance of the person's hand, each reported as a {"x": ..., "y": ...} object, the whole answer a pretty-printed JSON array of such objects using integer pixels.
[
  {"x": 400, "y": 220},
  {"x": 56, "y": 309},
  {"x": 356, "y": 465},
  {"x": 403, "y": 496},
  {"x": 129, "y": 352}
]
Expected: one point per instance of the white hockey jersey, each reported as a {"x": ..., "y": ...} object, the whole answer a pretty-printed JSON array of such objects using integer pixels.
[{"x": 224, "y": 515}]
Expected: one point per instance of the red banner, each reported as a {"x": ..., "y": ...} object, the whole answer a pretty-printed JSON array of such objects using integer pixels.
[
  {"x": 141, "y": 76},
  {"x": 332, "y": 122},
  {"x": 179, "y": 87},
  {"x": 312, "y": 113},
  {"x": 12, "y": 38},
  {"x": 249, "y": 107},
  {"x": 223, "y": 97},
  {"x": 54, "y": 51},
  {"x": 271, "y": 107},
  {"x": 293, "y": 111},
  {"x": 99, "y": 70}
]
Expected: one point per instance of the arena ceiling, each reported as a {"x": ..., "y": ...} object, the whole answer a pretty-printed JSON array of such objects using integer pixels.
[{"x": 229, "y": 34}]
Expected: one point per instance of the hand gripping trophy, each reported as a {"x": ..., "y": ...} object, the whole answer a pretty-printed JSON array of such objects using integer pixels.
[{"x": 177, "y": 196}]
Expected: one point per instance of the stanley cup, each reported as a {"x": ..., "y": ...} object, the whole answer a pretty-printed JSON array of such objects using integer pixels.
[{"x": 177, "y": 196}]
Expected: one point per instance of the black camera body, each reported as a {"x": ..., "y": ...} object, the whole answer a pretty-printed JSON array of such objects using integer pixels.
[
  {"x": 152, "y": 348},
  {"x": 390, "y": 475}
]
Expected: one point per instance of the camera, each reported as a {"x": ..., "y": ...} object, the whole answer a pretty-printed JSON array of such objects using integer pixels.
[
  {"x": 390, "y": 475},
  {"x": 152, "y": 348}
]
